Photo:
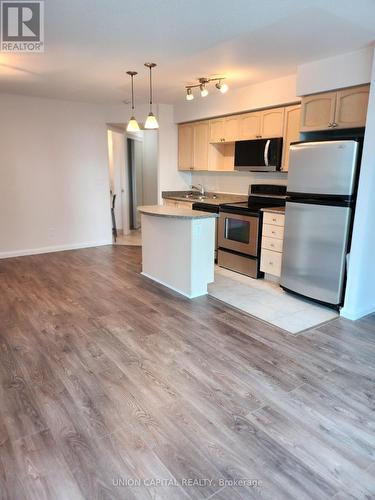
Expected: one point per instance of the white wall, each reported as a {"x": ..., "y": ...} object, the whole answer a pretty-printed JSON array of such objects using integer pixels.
[
  {"x": 150, "y": 167},
  {"x": 116, "y": 155},
  {"x": 360, "y": 290},
  {"x": 344, "y": 70},
  {"x": 260, "y": 95},
  {"x": 169, "y": 178},
  {"x": 237, "y": 182},
  {"x": 54, "y": 183}
]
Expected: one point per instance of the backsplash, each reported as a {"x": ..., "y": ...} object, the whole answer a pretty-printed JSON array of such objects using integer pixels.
[{"x": 236, "y": 182}]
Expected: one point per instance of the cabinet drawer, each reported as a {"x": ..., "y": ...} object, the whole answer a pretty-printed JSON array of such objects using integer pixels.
[
  {"x": 272, "y": 218},
  {"x": 273, "y": 231},
  {"x": 270, "y": 262},
  {"x": 272, "y": 244}
]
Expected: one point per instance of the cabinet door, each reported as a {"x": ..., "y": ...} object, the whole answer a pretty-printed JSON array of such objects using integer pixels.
[
  {"x": 185, "y": 146},
  {"x": 185, "y": 204},
  {"x": 351, "y": 107},
  {"x": 200, "y": 149},
  {"x": 318, "y": 111},
  {"x": 292, "y": 120},
  {"x": 272, "y": 123},
  {"x": 217, "y": 130},
  {"x": 249, "y": 126},
  {"x": 170, "y": 203},
  {"x": 231, "y": 129}
]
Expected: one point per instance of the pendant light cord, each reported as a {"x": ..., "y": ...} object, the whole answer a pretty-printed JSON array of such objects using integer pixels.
[
  {"x": 150, "y": 90},
  {"x": 132, "y": 92}
]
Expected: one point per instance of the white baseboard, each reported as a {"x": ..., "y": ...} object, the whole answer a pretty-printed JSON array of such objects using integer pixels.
[
  {"x": 57, "y": 248},
  {"x": 360, "y": 313},
  {"x": 189, "y": 296}
]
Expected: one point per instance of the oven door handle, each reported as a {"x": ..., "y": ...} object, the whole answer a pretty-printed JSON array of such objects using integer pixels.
[{"x": 266, "y": 151}]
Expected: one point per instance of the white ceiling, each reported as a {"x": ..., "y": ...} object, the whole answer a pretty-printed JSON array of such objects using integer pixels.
[{"x": 90, "y": 44}]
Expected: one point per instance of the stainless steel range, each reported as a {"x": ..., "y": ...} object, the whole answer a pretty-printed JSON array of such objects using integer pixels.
[{"x": 240, "y": 229}]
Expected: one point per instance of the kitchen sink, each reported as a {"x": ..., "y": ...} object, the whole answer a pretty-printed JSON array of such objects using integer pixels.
[{"x": 197, "y": 196}]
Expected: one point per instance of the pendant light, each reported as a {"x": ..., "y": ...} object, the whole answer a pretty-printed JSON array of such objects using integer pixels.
[
  {"x": 151, "y": 121},
  {"x": 132, "y": 124}
]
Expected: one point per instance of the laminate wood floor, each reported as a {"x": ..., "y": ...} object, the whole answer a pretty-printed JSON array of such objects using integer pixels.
[{"x": 113, "y": 387}]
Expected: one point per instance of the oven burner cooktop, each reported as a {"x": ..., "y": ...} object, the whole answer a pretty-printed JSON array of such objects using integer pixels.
[{"x": 255, "y": 204}]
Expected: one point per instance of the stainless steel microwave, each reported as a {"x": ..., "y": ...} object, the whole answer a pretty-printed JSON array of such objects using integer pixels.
[{"x": 258, "y": 155}]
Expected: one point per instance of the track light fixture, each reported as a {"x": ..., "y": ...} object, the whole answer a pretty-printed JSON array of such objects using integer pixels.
[{"x": 203, "y": 82}]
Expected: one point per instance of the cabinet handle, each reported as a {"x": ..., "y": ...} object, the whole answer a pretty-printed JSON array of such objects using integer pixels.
[
  {"x": 330, "y": 125},
  {"x": 273, "y": 220},
  {"x": 270, "y": 263},
  {"x": 334, "y": 124}
]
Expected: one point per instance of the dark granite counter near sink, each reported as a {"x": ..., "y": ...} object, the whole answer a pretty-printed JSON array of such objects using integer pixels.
[{"x": 209, "y": 197}]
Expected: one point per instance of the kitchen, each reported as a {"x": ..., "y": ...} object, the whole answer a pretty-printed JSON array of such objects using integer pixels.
[
  {"x": 301, "y": 272},
  {"x": 152, "y": 371}
]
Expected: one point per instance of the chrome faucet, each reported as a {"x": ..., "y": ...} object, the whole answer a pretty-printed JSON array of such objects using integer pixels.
[{"x": 200, "y": 189}]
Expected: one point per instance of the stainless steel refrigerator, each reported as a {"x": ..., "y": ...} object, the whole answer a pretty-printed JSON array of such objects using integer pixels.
[{"x": 318, "y": 216}]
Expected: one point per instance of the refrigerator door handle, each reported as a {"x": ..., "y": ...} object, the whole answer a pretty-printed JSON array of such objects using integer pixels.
[{"x": 266, "y": 150}]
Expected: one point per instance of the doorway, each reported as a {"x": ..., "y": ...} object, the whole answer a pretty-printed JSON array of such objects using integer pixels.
[{"x": 133, "y": 174}]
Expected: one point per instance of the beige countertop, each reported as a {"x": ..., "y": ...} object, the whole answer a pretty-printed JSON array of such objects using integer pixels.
[
  {"x": 274, "y": 210},
  {"x": 173, "y": 212}
]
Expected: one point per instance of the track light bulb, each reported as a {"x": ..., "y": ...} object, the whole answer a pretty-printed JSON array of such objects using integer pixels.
[
  {"x": 204, "y": 91},
  {"x": 223, "y": 87},
  {"x": 189, "y": 95}
]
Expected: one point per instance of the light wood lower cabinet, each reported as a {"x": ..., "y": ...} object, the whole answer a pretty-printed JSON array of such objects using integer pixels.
[
  {"x": 272, "y": 243},
  {"x": 177, "y": 203}
]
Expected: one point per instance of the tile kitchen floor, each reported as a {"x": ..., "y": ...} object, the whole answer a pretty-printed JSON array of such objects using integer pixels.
[
  {"x": 267, "y": 301},
  {"x": 134, "y": 238}
]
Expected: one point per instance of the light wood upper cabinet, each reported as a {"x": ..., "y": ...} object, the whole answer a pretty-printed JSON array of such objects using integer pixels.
[
  {"x": 291, "y": 132},
  {"x": 224, "y": 129},
  {"x": 345, "y": 108},
  {"x": 217, "y": 130},
  {"x": 193, "y": 146},
  {"x": 185, "y": 146},
  {"x": 231, "y": 128},
  {"x": 200, "y": 145},
  {"x": 318, "y": 111},
  {"x": 272, "y": 123},
  {"x": 351, "y": 107},
  {"x": 249, "y": 126}
]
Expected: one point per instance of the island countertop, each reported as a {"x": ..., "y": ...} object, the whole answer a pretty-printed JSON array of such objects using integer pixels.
[{"x": 174, "y": 212}]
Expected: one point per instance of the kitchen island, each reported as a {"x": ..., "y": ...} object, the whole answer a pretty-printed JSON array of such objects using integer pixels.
[{"x": 178, "y": 246}]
